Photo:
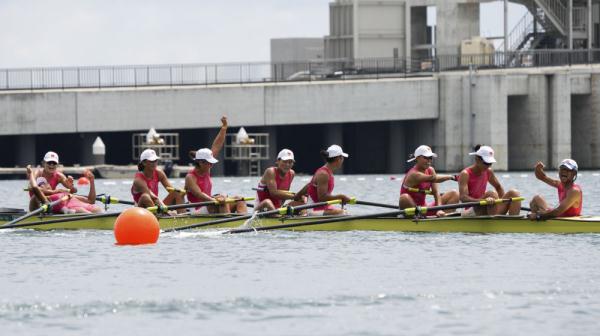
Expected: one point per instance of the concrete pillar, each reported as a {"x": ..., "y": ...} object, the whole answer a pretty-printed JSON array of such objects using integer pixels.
[
  {"x": 397, "y": 152},
  {"x": 407, "y": 33},
  {"x": 560, "y": 118},
  {"x": 450, "y": 127},
  {"x": 86, "y": 157},
  {"x": 585, "y": 133},
  {"x": 455, "y": 22},
  {"x": 489, "y": 100},
  {"x": 528, "y": 126},
  {"x": 25, "y": 151},
  {"x": 334, "y": 135}
]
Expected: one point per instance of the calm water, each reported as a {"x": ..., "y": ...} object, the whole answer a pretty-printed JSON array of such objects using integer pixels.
[{"x": 273, "y": 283}]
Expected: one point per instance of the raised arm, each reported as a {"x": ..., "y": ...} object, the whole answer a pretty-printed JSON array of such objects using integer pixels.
[
  {"x": 541, "y": 175},
  {"x": 219, "y": 141},
  {"x": 67, "y": 182}
]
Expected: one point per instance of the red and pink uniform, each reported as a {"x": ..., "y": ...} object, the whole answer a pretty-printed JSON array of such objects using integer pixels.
[
  {"x": 572, "y": 211},
  {"x": 283, "y": 183},
  {"x": 203, "y": 182},
  {"x": 418, "y": 197},
  {"x": 52, "y": 182},
  {"x": 152, "y": 184},
  {"x": 478, "y": 183},
  {"x": 71, "y": 204},
  {"x": 312, "y": 188}
]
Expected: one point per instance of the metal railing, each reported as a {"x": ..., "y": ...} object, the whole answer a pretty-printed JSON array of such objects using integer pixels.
[
  {"x": 521, "y": 31},
  {"x": 238, "y": 73},
  {"x": 557, "y": 10}
]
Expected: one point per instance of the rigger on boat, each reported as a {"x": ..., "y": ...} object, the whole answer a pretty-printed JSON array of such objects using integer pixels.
[{"x": 470, "y": 209}]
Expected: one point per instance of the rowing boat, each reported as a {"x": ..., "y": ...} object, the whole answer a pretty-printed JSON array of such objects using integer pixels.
[{"x": 486, "y": 224}]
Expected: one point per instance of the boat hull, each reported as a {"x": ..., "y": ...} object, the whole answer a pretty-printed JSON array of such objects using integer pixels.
[{"x": 495, "y": 224}]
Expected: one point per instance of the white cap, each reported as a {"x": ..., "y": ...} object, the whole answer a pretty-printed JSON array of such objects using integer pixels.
[
  {"x": 148, "y": 154},
  {"x": 41, "y": 180},
  {"x": 205, "y": 154},
  {"x": 335, "y": 151},
  {"x": 570, "y": 164},
  {"x": 422, "y": 151},
  {"x": 486, "y": 153},
  {"x": 285, "y": 154},
  {"x": 51, "y": 157}
]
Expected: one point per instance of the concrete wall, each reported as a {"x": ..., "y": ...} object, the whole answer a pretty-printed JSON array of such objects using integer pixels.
[
  {"x": 525, "y": 115},
  {"x": 184, "y": 108}
]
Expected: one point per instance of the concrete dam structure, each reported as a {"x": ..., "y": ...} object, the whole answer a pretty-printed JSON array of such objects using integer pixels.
[{"x": 526, "y": 115}]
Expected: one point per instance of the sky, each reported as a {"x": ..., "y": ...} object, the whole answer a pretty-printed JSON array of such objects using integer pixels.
[{"x": 42, "y": 33}]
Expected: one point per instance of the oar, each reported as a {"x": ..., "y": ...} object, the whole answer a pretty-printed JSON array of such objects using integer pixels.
[
  {"x": 112, "y": 200},
  {"x": 381, "y": 205},
  {"x": 198, "y": 204},
  {"x": 43, "y": 208},
  {"x": 407, "y": 211},
  {"x": 61, "y": 220},
  {"x": 281, "y": 211},
  {"x": 179, "y": 190}
]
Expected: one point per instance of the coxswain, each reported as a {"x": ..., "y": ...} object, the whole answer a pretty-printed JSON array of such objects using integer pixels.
[
  {"x": 570, "y": 196},
  {"x": 53, "y": 177}
]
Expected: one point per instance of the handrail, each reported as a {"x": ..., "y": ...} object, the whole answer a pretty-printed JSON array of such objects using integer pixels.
[
  {"x": 556, "y": 9},
  {"x": 266, "y": 72}
]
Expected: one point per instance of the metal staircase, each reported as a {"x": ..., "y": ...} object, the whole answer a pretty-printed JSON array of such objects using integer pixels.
[{"x": 546, "y": 20}]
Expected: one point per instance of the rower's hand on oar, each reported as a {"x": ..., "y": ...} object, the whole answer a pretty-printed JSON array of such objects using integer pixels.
[
  {"x": 219, "y": 199},
  {"x": 440, "y": 213},
  {"x": 346, "y": 200},
  {"x": 490, "y": 201}
]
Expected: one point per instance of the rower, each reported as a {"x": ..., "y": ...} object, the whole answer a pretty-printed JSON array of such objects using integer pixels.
[
  {"x": 320, "y": 188},
  {"x": 274, "y": 186},
  {"x": 53, "y": 177},
  {"x": 198, "y": 182},
  {"x": 570, "y": 196},
  {"x": 145, "y": 183},
  {"x": 421, "y": 180},
  {"x": 74, "y": 204},
  {"x": 473, "y": 181}
]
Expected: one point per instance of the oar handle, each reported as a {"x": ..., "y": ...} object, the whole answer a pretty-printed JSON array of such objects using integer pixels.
[
  {"x": 112, "y": 200},
  {"x": 381, "y": 205},
  {"x": 179, "y": 190}
]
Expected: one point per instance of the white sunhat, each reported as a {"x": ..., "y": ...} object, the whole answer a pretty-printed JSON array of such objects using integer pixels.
[
  {"x": 335, "y": 151},
  {"x": 422, "y": 151},
  {"x": 486, "y": 153},
  {"x": 285, "y": 154},
  {"x": 148, "y": 154},
  {"x": 570, "y": 164},
  {"x": 205, "y": 154},
  {"x": 51, "y": 157}
]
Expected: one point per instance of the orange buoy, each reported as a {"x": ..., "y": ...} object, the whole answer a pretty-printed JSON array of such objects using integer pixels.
[
  {"x": 136, "y": 226},
  {"x": 83, "y": 181}
]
